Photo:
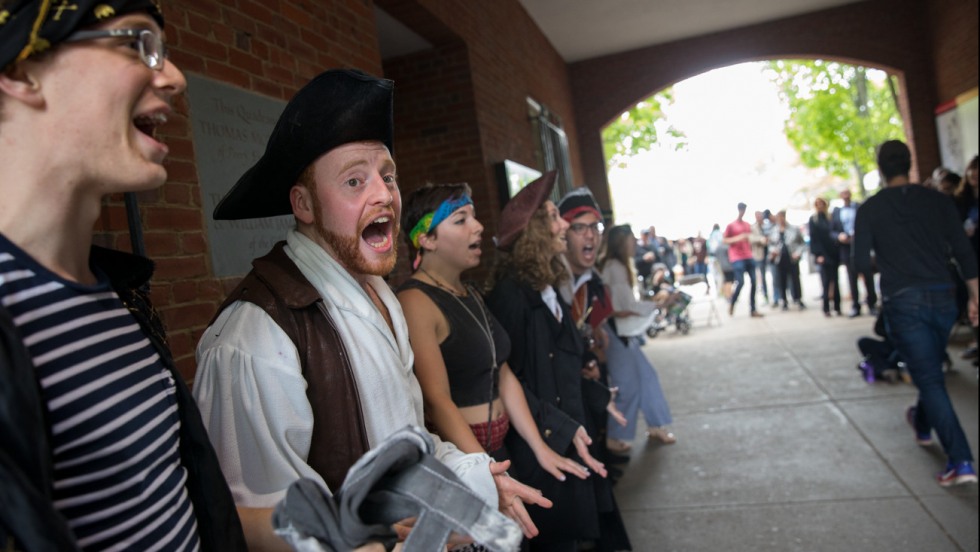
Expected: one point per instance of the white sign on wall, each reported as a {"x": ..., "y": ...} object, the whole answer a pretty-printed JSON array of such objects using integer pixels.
[
  {"x": 231, "y": 128},
  {"x": 957, "y": 125}
]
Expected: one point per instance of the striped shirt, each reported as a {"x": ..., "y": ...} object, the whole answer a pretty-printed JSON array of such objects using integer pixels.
[{"x": 110, "y": 405}]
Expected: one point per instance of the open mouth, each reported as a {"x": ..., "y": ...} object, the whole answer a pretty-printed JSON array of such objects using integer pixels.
[
  {"x": 147, "y": 124},
  {"x": 378, "y": 233}
]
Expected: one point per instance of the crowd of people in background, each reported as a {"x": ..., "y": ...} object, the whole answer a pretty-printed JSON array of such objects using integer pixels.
[
  {"x": 778, "y": 251},
  {"x": 920, "y": 241}
]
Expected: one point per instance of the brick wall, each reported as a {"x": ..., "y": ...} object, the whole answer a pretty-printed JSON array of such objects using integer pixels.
[
  {"x": 953, "y": 32},
  {"x": 497, "y": 53},
  {"x": 462, "y": 107},
  {"x": 436, "y": 133}
]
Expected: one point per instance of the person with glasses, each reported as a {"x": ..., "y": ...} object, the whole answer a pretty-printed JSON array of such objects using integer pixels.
[
  {"x": 591, "y": 307},
  {"x": 103, "y": 446},
  {"x": 590, "y": 304}
]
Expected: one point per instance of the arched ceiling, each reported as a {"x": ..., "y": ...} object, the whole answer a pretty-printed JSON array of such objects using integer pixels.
[{"x": 584, "y": 29}]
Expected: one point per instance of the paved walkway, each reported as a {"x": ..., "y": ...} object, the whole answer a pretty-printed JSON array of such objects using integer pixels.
[{"x": 783, "y": 447}]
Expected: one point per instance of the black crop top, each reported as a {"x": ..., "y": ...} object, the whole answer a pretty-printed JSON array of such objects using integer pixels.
[{"x": 465, "y": 350}]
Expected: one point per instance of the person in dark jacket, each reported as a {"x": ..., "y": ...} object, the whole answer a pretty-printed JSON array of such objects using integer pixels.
[
  {"x": 591, "y": 307},
  {"x": 913, "y": 230},
  {"x": 826, "y": 254},
  {"x": 547, "y": 357},
  {"x": 842, "y": 227},
  {"x": 103, "y": 446}
]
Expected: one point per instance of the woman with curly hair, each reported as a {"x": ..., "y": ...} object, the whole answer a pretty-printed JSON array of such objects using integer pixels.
[
  {"x": 547, "y": 358},
  {"x": 629, "y": 369}
]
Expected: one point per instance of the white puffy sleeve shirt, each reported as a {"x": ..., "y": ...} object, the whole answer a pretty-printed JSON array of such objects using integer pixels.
[
  {"x": 252, "y": 397},
  {"x": 625, "y": 297},
  {"x": 252, "y": 394}
]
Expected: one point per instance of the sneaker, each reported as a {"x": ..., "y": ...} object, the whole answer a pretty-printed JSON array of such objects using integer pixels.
[
  {"x": 921, "y": 439},
  {"x": 867, "y": 369},
  {"x": 756, "y": 314},
  {"x": 957, "y": 474}
]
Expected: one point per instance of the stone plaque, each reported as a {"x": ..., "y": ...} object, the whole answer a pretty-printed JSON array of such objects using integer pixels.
[{"x": 231, "y": 127}]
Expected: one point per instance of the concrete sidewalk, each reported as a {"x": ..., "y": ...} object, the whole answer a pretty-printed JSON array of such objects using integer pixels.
[{"x": 782, "y": 446}]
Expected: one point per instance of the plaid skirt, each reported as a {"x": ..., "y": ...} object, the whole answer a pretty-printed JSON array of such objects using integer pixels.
[{"x": 491, "y": 435}]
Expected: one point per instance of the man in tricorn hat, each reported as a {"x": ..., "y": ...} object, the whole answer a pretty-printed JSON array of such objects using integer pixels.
[
  {"x": 307, "y": 365},
  {"x": 102, "y": 444}
]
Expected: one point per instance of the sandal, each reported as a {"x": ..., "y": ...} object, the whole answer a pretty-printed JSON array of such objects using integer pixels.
[
  {"x": 662, "y": 434},
  {"x": 617, "y": 446}
]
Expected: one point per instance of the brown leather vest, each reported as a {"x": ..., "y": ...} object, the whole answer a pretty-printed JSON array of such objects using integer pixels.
[{"x": 277, "y": 286}]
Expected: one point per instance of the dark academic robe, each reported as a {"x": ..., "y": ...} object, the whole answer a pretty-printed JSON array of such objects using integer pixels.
[{"x": 546, "y": 356}]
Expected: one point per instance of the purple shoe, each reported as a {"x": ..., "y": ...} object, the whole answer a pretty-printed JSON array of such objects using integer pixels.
[{"x": 921, "y": 439}]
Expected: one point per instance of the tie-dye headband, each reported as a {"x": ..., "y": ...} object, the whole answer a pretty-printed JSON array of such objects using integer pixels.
[{"x": 431, "y": 220}]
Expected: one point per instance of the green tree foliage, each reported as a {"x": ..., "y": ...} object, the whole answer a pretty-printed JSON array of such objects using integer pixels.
[
  {"x": 638, "y": 129},
  {"x": 838, "y": 115}
]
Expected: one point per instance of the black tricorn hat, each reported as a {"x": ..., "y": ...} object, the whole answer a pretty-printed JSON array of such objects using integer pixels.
[{"x": 337, "y": 107}]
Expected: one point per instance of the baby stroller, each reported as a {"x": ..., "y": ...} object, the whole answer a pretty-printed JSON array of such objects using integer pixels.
[{"x": 672, "y": 313}]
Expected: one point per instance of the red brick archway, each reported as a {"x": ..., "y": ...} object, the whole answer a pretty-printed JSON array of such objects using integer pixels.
[{"x": 874, "y": 33}]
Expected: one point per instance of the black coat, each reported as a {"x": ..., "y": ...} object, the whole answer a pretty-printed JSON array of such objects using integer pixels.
[
  {"x": 546, "y": 356},
  {"x": 823, "y": 240}
]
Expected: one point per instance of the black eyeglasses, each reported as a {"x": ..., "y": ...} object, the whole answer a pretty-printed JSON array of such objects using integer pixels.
[
  {"x": 152, "y": 50},
  {"x": 578, "y": 228}
]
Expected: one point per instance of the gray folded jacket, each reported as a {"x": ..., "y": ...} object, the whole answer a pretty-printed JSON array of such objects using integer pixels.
[{"x": 397, "y": 480}]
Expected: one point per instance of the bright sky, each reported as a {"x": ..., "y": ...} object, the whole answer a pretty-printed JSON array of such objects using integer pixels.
[{"x": 737, "y": 151}]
